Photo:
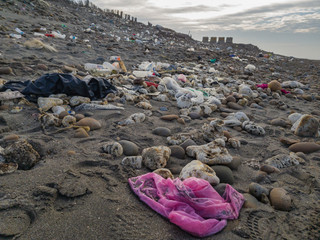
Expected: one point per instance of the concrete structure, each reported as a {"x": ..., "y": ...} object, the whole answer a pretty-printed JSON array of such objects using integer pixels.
[
  {"x": 121, "y": 14},
  {"x": 221, "y": 40},
  {"x": 205, "y": 39},
  {"x": 213, "y": 40},
  {"x": 229, "y": 40}
]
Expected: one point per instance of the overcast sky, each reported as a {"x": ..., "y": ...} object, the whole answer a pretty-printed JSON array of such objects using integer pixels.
[{"x": 285, "y": 27}]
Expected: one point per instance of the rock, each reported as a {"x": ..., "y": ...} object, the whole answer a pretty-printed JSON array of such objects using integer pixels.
[
  {"x": 68, "y": 121},
  {"x": 63, "y": 114},
  {"x": 5, "y": 70},
  {"x": 260, "y": 176},
  {"x": 6, "y": 168},
  {"x": 302, "y": 155},
  {"x": 181, "y": 121},
  {"x": 129, "y": 148},
  {"x": 307, "y": 97},
  {"x": 134, "y": 118},
  {"x": 250, "y": 201},
  {"x": 245, "y": 90},
  {"x": 305, "y": 147},
  {"x": 156, "y": 157},
  {"x": 132, "y": 161},
  {"x": 169, "y": 117},
  {"x": 14, "y": 221},
  {"x": 113, "y": 148},
  {"x": 73, "y": 187},
  {"x": 164, "y": 172},
  {"x": 234, "y": 106},
  {"x": 227, "y": 134},
  {"x": 177, "y": 151},
  {"x": 162, "y": 131},
  {"x": 194, "y": 115},
  {"x": 274, "y": 85},
  {"x": 306, "y": 126},
  {"x": 280, "y": 199},
  {"x": 81, "y": 133},
  {"x": 235, "y": 163},
  {"x": 22, "y": 153},
  {"x": 46, "y": 104},
  {"x": 79, "y": 116},
  {"x": 294, "y": 117},
  {"x": 231, "y": 99},
  {"x": 288, "y": 141},
  {"x": 211, "y": 153},
  {"x": 257, "y": 190},
  {"x": 199, "y": 170},
  {"x": 90, "y": 122},
  {"x": 11, "y": 138},
  {"x": 279, "y": 122},
  {"x": 269, "y": 169},
  {"x": 224, "y": 174},
  {"x": 252, "y": 128},
  {"x": 77, "y": 100},
  {"x": 284, "y": 160},
  {"x": 42, "y": 67},
  {"x": 187, "y": 143}
]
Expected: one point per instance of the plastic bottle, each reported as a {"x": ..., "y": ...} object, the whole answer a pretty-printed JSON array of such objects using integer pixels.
[
  {"x": 18, "y": 36},
  {"x": 92, "y": 66},
  {"x": 58, "y": 35},
  {"x": 38, "y": 34},
  {"x": 115, "y": 58},
  {"x": 73, "y": 37},
  {"x": 18, "y": 30}
]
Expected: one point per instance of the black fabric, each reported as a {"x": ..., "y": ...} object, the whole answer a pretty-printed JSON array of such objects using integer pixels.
[{"x": 55, "y": 83}]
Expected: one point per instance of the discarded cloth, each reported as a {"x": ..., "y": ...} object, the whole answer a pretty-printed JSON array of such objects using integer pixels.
[
  {"x": 265, "y": 85},
  {"x": 55, "y": 83},
  {"x": 192, "y": 204}
]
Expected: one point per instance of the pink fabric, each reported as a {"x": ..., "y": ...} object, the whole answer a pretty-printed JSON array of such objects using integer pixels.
[
  {"x": 264, "y": 85},
  {"x": 192, "y": 204}
]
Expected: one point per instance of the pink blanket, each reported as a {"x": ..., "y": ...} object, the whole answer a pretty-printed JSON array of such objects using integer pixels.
[{"x": 192, "y": 204}]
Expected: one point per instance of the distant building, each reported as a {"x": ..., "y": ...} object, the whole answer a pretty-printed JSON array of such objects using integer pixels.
[
  {"x": 221, "y": 40},
  {"x": 205, "y": 39},
  {"x": 213, "y": 40},
  {"x": 229, "y": 40}
]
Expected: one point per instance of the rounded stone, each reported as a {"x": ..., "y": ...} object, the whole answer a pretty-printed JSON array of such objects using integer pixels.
[
  {"x": 280, "y": 199},
  {"x": 81, "y": 133},
  {"x": 257, "y": 190},
  {"x": 63, "y": 114},
  {"x": 79, "y": 116},
  {"x": 129, "y": 148},
  {"x": 269, "y": 169},
  {"x": 177, "y": 151},
  {"x": 169, "y": 117},
  {"x": 187, "y": 143},
  {"x": 88, "y": 114},
  {"x": 250, "y": 201},
  {"x": 90, "y": 122},
  {"x": 274, "y": 85},
  {"x": 227, "y": 134},
  {"x": 235, "y": 163},
  {"x": 164, "y": 172},
  {"x": 194, "y": 115},
  {"x": 162, "y": 131},
  {"x": 6, "y": 70},
  {"x": 305, "y": 147},
  {"x": 224, "y": 174},
  {"x": 11, "y": 138},
  {"x": 260, "y": 176},
  {"x": 234, "y": 106},
  {"x": 231, "y": 99}
]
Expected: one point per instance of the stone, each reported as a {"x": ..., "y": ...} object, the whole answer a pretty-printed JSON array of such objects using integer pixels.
[
  {"x": 42, "y": 67},
  {"x": 274, "y": 85},
  {"x": 234, "y": 106},
  {"x": 6, "y": 168},
  {"x": 79, "y": 116},
  {"x": 129, "y": 148},
  {"x": 77, "y": 100},
  {"x": 245, "y": 90},
  {"x": 46, "y": 104},
  {"x": 156, "y": 157},
  {"x": 305, "y": 147},
  {"x": 134, "y": 118},
  {"x": 90, "y": 122},
  {"x": 113, "y": 148},
  {"x": 199, "y": 170},
  {"x": 250, "y": 201},
  {"x": 269, "y": 169},
  {"x": 293, "y": 117},
  {"x": 288, "y": 141},
  {"x": 307, "y": 97},
  {"x": 132, "y": 161},
  {"x": 257, "y": 190},
  {"x": 11, "y": 138},
  {"x": 306, "y": 126},
  {"x": 169, "y": 117},
  {"x": 187, "y": 143},
  {"x": 220, "y": 188},
  {"x": 279, "y": 122},
  {"x": 280, "y": 199},
  {"x": 260, "y": 176},
  {"x": 284, "y": 160},
  {"x": 81, "y": 133},
  {"x": 5, "y": 70},
  {"x": 302, "y": 155},
  {"x": 211, "y": 153},
  {"x": 22, "y": 153},
  {"x": 164, "y": 172},
  {"x": 235, "y": 163},
  {"x": 68, "y": 121},
  {"x": 162, "y": 131},
  {"x": 231, "y": 99},
  {"x": 194, "y": 115},
  {"x": 223, "y": 173},
  {"x": 177, "y": 151},
  {"x": 253, "y": 128},
  {"x": 63, "y": 114}
]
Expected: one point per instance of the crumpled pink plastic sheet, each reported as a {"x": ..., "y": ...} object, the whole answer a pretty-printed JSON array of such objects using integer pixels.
[
  {"x": 192, "y": 204},
  {"x": 265, "y": 85}
]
